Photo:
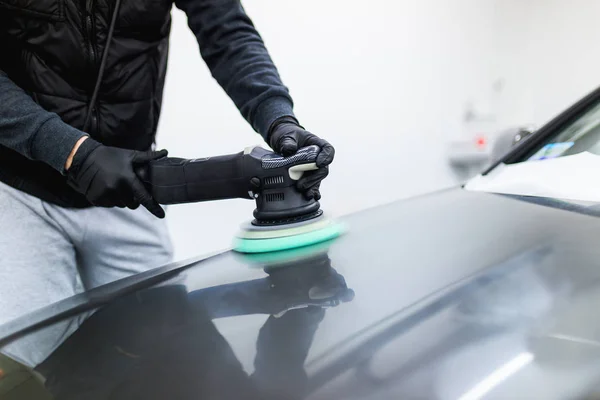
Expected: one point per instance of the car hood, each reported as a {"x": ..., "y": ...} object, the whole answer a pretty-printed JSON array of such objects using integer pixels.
[{"x": 455, "y": 294}]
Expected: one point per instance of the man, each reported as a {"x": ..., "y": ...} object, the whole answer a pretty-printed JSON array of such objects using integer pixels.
[{"x": 81, "y": 87}]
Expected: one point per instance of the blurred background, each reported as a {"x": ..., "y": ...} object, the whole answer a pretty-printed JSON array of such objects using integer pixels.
[{"x": 413, "y": 94}]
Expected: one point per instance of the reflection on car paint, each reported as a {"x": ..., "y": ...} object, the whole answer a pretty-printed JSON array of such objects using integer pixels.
[{"x": 168, "y": 333}]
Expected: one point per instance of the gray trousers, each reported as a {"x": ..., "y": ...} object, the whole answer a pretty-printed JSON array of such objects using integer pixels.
[{"x": 48, "y": 253}]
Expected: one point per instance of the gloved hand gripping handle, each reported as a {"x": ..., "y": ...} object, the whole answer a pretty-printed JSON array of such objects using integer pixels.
[{"x": 255, "y": 173}]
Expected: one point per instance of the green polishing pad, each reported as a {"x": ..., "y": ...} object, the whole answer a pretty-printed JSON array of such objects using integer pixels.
[
  {"x": 284, "y": 257},
  {"x": 321, "y": 233}
]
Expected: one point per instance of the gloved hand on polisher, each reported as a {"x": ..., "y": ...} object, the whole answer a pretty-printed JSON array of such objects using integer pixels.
[
  {"x": 107, "y": 178},
  {"x": 286, "y": 136}
]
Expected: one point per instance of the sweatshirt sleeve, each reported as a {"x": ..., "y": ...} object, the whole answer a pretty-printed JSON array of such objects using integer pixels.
[
  {"x": 237, "y": 58},
  {"x": 28, "y": 129}
]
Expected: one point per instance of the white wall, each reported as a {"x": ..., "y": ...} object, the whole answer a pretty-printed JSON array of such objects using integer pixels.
[
  {"x": 386, "y": 81},
  {"x": 547, "y": 55},
  {"x": 564, "y": 43}
]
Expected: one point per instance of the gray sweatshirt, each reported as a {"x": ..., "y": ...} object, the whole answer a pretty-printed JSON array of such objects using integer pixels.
[{"x": 33, "y": 132}]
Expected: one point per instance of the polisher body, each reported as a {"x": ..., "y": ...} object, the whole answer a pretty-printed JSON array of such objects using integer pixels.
[{"x": 284, "y": 218}]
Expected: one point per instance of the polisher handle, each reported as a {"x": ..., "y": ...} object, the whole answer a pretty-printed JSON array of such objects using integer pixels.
[
  {"x": 177, "y": 180},
  {"x": 245, "y": 175}
]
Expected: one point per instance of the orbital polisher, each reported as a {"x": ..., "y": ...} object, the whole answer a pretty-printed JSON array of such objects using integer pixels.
[{"x": 283, "y": 218}]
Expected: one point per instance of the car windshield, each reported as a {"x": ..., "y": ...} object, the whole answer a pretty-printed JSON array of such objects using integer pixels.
[
  {"x": 559, "y": 168},
  {"x": 581, "y": 135}
]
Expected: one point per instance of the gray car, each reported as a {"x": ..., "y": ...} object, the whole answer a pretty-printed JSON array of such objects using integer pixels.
[{"x": 487, "y": 290}]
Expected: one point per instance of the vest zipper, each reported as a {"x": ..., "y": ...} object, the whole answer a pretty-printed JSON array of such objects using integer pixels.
[
  {"x": 95, "y": 120},
  {"x": 90, "y": 33},
  {"x": 89, "y": 27}
]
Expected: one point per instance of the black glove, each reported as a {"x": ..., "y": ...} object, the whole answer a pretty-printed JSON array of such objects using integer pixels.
[
  {"x": 107, "y": 178},
  {"x": 286, "y": 136}
]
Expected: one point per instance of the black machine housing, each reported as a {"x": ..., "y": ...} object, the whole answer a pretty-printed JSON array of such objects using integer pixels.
[{"x": 255, "y": 173}]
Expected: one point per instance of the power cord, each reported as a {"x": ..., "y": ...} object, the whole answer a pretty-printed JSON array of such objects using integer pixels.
[{"x": 111, "y": 31}]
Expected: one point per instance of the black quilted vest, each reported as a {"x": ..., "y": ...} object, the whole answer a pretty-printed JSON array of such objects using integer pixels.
[{"x": 52, "y": 49}]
